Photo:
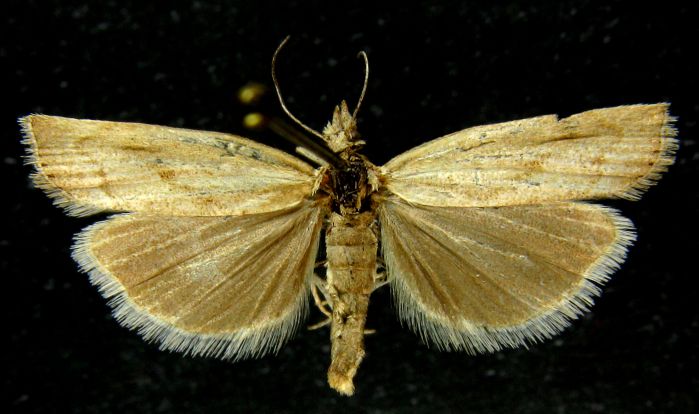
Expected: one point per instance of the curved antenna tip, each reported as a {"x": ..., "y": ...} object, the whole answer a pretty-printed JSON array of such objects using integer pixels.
[
  {"x": 281, "y": 45},
  {"x": 362, "y": 55},
  {"x": 279, "y": 93}
]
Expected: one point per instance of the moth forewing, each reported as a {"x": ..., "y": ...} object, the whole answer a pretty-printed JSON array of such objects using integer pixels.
[
  {"x": 91, "y": 166},
  {"x": 603, "y": 153}
]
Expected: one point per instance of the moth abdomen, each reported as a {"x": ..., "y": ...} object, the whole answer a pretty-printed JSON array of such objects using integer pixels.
[{"x": 352, "y": 246}]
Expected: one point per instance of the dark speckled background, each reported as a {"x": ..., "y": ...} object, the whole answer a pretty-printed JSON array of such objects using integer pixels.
[{"x": 435, "y": 69}]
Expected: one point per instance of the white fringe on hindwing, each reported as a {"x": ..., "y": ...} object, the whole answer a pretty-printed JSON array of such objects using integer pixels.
[
  {"x": 446, "y": 335},
  {"x": 253, "y": 342}
]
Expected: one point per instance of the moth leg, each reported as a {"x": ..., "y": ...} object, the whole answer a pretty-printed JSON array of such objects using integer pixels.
[
  {"x": 318, "y": 289},
  {"x": 320, "y": 285},
  {"x": 320, "y": 324},
  {"x": 381, "y": 276},
  {"x": 380, "y": 279},
  {"x": 322, "y": 304},
  {"x": 319, "y": 180}
]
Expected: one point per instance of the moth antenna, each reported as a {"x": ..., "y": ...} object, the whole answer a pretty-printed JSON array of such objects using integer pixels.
[
  {"x": 363, "y": 55},
  {"x": 279, "y": 93}
]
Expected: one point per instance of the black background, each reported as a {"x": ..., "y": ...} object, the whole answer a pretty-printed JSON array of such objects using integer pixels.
[{"x": 435, "y": 68}]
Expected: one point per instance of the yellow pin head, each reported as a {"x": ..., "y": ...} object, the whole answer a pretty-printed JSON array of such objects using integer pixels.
[
  {"x": 252, "y": 93},
  {"x": 254, "y": 120}
]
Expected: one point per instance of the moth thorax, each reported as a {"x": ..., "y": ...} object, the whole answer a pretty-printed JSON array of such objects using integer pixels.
[{"x": 350, "y": 184}]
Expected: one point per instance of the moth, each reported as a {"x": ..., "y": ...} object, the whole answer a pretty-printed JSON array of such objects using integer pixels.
[{"x": 486, "y": 237}]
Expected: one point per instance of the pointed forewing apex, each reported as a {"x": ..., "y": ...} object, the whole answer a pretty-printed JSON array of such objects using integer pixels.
[
  {"x": 604, "y": 153},
  {"x": 230, "y": 287},
  {"x": 91, "y": 166},
  {"x": 479, "y": 279}
]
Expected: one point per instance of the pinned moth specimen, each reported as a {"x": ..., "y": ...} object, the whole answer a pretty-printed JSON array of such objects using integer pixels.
[{"x": 487, "y": 236}]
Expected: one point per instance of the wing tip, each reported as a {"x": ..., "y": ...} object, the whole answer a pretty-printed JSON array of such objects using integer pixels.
[
  {"x": 669, "y": 145},
  {"x": 58, "y": 196}
]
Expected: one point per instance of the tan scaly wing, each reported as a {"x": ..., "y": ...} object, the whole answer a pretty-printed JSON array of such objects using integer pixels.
[
  {"x": 91, "y": 166},
  {"x": 478, "y": 279},
  {"x": 230, "y": 287},
  {"x": 603, "y": 153}
]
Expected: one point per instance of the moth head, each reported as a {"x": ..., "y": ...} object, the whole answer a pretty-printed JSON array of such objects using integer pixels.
[{"x": 341, "y": 132}]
